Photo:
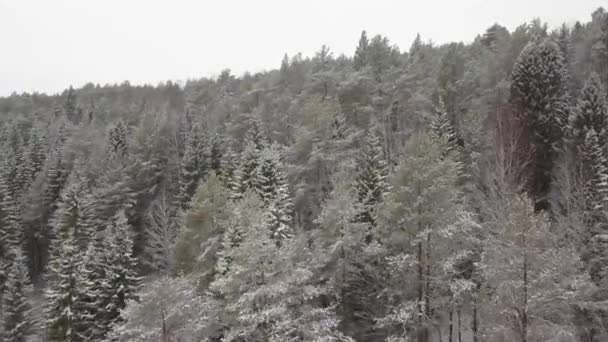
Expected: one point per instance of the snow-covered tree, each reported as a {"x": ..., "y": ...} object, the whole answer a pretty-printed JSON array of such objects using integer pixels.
[
  {"x": 228, "y": 171},
  {"x": 270, "y": 183},
  {"x": 89, "y": 282},
  {"x": 360, "y": 59},
  {"x": 348, "y": 261},
  {"x": 188, "y": 177},
  {"x": 590, "y": 113},
  {"x": 121, "y": 281},
  {"x": 16, "y": 301},
  {"x": 246, "y": 173},
  {"x": 371, "y": 184},
  {"x": 420, "y": 229},
  {"x": 62, "y": 315},
  {"x": 444, "y": 129},
  {"x": 198, "y": 237},
  {"x": 168, "y": 309},
  {"x": 596, "y": 193},
  {"x": 534, "y": 281},
  {"x": 539, "y": 95},
  {"x": 118, "y": 139},
  {"x": 161, "y": 234}
]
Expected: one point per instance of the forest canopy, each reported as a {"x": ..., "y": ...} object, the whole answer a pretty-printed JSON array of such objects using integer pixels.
[{"x": 432, "y": 193}]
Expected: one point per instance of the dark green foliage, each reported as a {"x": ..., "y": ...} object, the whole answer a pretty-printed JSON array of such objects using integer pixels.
[{"x": 539, "y": 95}]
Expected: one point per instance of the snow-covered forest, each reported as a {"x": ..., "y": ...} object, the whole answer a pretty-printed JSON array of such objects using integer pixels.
[{"x": 449, "y": 193}]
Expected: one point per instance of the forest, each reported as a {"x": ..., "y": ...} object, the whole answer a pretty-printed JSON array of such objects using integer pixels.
[{"x": 441, "y": 193}]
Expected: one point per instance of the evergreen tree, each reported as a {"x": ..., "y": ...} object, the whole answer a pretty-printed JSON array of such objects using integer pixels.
[
  {"x": 419, "y": 220},
  {"x": 118, "y": 139},
  {"x": 70, "y": 109},
  {"x": 90, "y": 278},
  {"x": 16, "y": 303},
  {"x": 370, "y": 183},
  {"x": 253, "y": 306},
  {"x": 228, "y": 170},
  {"x": 600, "y": 48},
  {"x": 451, "y": 71},
  {"x": 360, "y": 59},
  {"x": 10, "y": 228},
  {"x": 188, "y": 177},
  {"x": 201, "y": 230},
  {"x": 539, "y": 95},
  {"x": 246, "y": 173},
  {"x": 121, "y": 281},
  {"x": 596, "y": 191},
  {"x": 215, "y": 153},
  {"x": 63, "y": 318},
  {"x": 591, "y": 113},
  {"x": 194, "y": 167}
]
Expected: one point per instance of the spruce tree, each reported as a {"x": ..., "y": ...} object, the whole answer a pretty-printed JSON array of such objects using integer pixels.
[
  {"x": 16, "y": 303},
  {"x": 70, "y": 109},
  {"x": 228, "y": 170},
  {"x": 188, "y": 177},
  {"x": 539, "y": 96},
  {"x": 360, "y": 59},
  {"x": 194, "y": 167},
  {"x": 596, "y": 193},
  {"x": 591, "y": 113},
  {"x": 443, "y": 129},
  {"x": 118, "y": 139},
  {"x": 370, "y": 182},
  {"x": 62, "y": 315},
  {"x": 90, "y": 277},
  {"x": 246, "y": 173},
  {"x": 216, "y": 153},
  {"x": 120, "y": 279}
]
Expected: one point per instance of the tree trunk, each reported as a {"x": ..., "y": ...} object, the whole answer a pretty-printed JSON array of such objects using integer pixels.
[
  {"x": 421, "y": 334},
  {"x": 475, "y": 328},
  {"x": 428, "y": 276},
  {"x": 459, "y": 326},
  {"x": 451, "y": 331},
  {"x": 524, "y": 314}
]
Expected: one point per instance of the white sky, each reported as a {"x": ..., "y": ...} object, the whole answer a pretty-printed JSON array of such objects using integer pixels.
[{"x": 49, "y": 44}]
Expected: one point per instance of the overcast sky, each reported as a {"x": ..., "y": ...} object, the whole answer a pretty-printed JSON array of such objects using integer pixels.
[{"x": 48, "y": 45}]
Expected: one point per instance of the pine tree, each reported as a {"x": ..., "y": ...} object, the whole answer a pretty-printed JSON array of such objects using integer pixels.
[
  {"x": 371, "y": 184},
  {"x": 360, "y": 59},
  {"x": 419, "y": 219},
  {"x": 16, "y": 301},
  {"x": 539, "y": 95}
]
